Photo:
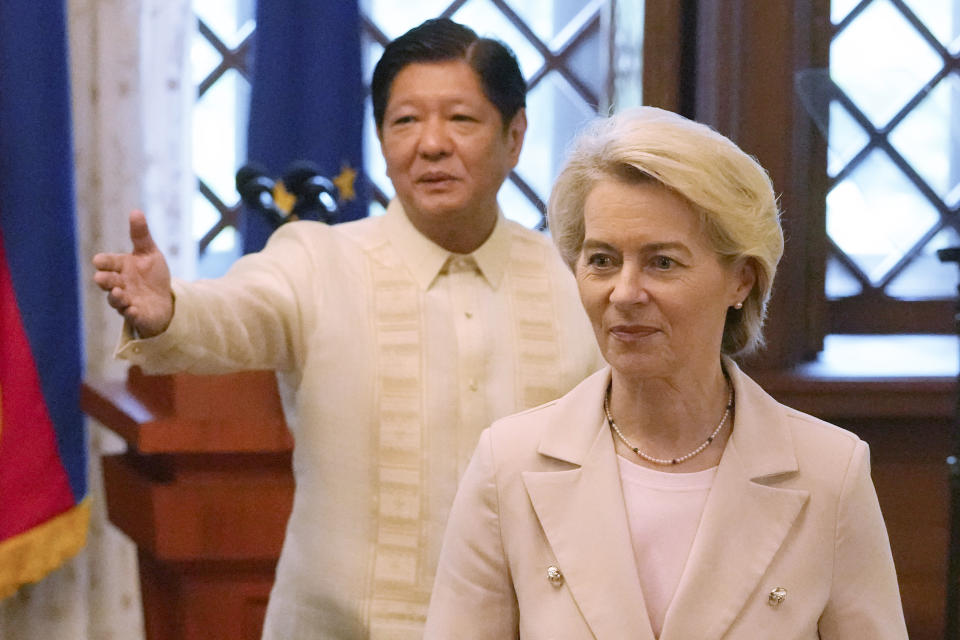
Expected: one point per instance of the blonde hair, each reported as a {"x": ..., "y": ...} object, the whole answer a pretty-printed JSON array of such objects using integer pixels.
[{"x": 729, "y": 190}]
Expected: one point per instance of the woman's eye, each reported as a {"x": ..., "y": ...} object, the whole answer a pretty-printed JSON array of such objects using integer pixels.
[
  {"x": 664, "y": 263},
  {"x": 600, "y": 260}
]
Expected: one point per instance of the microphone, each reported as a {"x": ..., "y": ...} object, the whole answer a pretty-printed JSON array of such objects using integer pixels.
[
  {"x": 316, "y": 195},
  {"x": 256, "y": 191}
]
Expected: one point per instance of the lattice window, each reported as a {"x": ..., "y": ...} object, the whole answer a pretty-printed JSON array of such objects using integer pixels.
[
  {"x": 894, "y": 150},
  {"x": 563, "y": 47},
  {"x": 220, "y": 57},
  {"x": 563, "y": 50}
]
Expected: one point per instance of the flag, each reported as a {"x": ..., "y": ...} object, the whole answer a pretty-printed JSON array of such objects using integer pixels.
[
  {"x": 307, "y": 100},
  {"x": 44, "y": 511}
]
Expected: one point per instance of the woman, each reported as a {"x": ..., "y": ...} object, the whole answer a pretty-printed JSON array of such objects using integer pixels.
[{"x": 667, "y": 496}]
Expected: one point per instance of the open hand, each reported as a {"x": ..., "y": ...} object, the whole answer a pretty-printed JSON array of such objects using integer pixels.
[{"x": 138, "y": 283}]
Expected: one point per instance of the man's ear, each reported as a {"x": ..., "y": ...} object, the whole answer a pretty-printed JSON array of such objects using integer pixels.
[{"x": 516, "y": 130}]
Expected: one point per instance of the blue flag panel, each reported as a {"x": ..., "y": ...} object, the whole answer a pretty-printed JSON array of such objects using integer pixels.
[{"x": 307, "y": 100}]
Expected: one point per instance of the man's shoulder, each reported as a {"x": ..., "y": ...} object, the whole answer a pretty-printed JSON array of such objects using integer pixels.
[
  {"x": 366, "y": 232},
  {"x": 527, "y": 243},
  {"x": 525, "y": 234}
]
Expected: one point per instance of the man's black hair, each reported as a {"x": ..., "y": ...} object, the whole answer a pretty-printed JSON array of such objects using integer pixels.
[{"x": 441, "y": 40}]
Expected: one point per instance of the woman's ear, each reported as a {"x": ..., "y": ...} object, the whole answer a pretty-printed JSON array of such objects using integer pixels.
[{"x": 745, "y": 276}]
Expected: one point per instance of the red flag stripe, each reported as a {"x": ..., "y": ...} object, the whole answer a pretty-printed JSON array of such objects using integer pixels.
[{"x": 33, "y": 483}]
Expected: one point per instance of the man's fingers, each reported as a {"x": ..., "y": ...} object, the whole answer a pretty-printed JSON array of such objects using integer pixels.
[
  {"x": 106, "y": 280},
  {"x": 140, "y": 233},
  {"x": 108, "y": 261},
  {"x": 117, "y": 299}
]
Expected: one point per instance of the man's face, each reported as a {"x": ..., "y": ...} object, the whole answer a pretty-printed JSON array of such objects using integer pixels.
[{"x": 446, "y": 149}]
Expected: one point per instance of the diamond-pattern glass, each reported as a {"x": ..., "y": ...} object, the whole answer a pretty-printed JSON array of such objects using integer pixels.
[
  {"x": 223, "y": 249},
  {"x": 942, "y": 18},
  {"x": 587, "y": 58},
  {"x": 846, "y": 138},
  {"x": 549, "y": 19},
  {"x": 204, "y": 58},
  {"x": 516, "y": 206},
  {"x": 396, "y": 18},
  {"x": 929, "y": 139},
  {"x": 876, "y": 215},
  {"x": 926, "y": 276},
  {"x": 219, "y": 125},
  {"x": 560, "y": 113},
  {"x": 840, "y": 283},
  {"x": 839, "y": 9},
  {"x": 217, "y": 140},
  {"x": 880, "y": 61},
  {"x": 205, "y": 215},
  {"x": 226, "y": 19},
  {"x": 488, "y": 21}
]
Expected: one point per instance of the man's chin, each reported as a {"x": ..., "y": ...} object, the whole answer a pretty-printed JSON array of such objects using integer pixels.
[{"x": 439, "y": 207}]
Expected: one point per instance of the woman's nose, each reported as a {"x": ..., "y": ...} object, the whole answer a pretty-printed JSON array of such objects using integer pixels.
[{"x": 630, "y": 287}]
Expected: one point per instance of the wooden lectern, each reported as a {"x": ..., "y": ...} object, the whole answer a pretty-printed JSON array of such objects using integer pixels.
[{"x": 204, "y": 490}]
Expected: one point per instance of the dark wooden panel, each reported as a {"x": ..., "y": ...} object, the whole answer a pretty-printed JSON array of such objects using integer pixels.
[
  {"x": 887, "y": 316},
  {"x": 663, "y": 53}
]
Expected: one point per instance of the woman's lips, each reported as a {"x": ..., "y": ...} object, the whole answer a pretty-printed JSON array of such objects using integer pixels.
[{"x": 632, "y": 332}]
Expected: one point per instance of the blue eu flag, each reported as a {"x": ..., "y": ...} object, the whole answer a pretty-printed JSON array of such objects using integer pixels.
[{"x": 307, "y": 100}]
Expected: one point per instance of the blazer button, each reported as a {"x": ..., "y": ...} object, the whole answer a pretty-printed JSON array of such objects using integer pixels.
[
  {"x": 554, "y": 576},
  {"x": 777, "y": 596}
]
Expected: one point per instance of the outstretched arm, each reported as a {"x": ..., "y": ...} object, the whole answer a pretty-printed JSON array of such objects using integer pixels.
[{"x": 138, "y": 283}]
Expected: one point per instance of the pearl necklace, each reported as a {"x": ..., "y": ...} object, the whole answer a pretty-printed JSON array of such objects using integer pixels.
[{"x": 667, "y": 461}]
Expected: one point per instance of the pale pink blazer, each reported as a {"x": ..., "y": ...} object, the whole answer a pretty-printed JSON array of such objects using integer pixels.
[{"x": 792, "y": 506}]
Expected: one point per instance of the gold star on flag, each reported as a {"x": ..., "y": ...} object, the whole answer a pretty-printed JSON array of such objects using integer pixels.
[
  {"x": 283, "y": 198},
  {"x": 344, "y": 183}
]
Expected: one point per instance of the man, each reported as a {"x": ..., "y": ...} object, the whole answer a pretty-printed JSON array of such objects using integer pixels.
[{"x": 396, "y": 339}]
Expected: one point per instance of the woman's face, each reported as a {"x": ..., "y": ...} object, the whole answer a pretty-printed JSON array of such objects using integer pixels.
[{"x": 656, "y": 292}]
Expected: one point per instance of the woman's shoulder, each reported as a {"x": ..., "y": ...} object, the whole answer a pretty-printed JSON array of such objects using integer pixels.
[
  {"x": 802, "y": 426},
  {"x": 518, "y": 436},
  {"x": 806, "y": 448},
  {"x": 551, "y": 433},
  {"x": 807, "y": 427}
]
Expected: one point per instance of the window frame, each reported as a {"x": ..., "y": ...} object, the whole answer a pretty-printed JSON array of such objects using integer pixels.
[
  {"x": 708, "y": 74},
  {"x": 700, "y": 60}
]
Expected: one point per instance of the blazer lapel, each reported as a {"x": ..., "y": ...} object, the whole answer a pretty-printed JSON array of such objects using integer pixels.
[
  {"x": 582, "y": 514},
  {"x": 744, "y": 522}
]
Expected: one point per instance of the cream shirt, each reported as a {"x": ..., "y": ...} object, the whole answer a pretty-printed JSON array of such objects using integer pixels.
[{"x": 392, "y": 355}]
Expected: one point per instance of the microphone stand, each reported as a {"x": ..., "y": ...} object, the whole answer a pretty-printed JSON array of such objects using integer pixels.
[{"x": 952, "y": 623}]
